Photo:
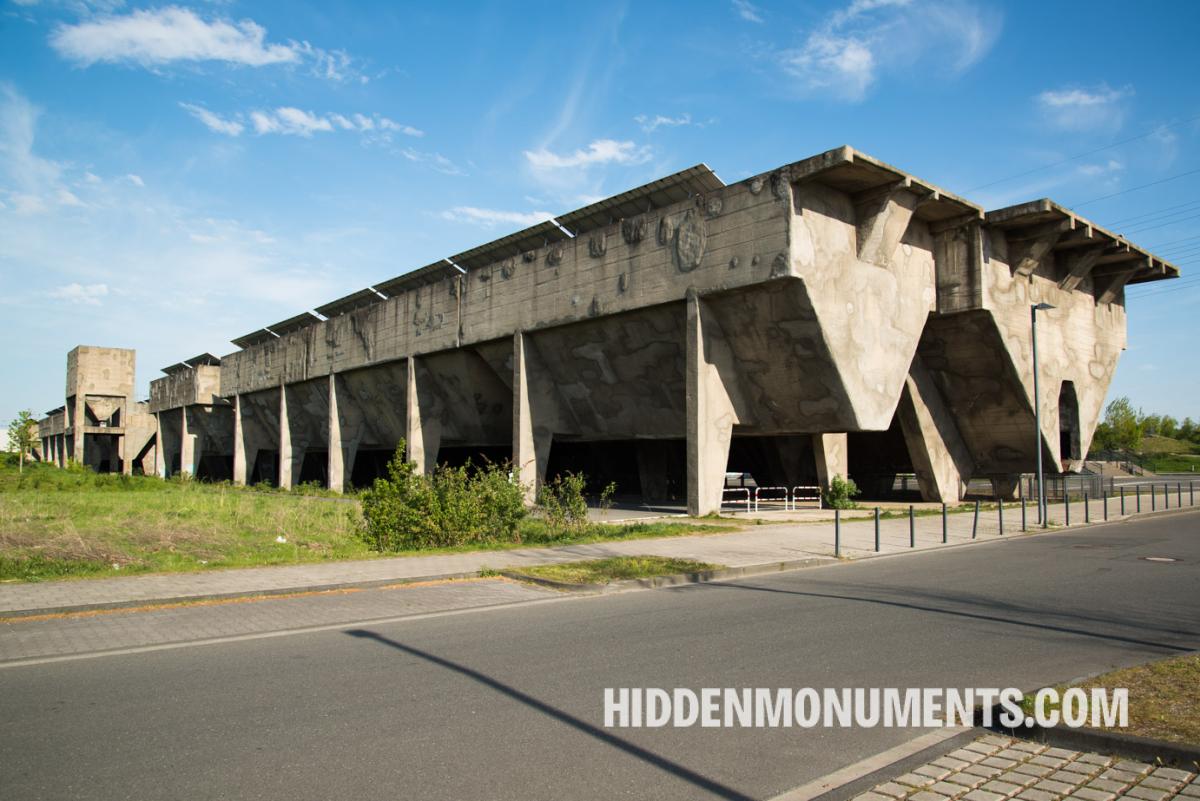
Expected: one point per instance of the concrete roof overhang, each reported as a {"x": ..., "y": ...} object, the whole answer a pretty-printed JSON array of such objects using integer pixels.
[
  {"x": 1073, "y": 236},
  {"x": 254, "y": 338},
  {"x": 291, "y": 324},
  {"x": 862, "y": 176},
  {"x": 351, "y": 302}
]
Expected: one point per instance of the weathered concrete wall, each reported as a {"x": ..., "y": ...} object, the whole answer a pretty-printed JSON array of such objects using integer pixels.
[
  {"x": 802, "y": 309},
  {"x": 196, "y": 385}
]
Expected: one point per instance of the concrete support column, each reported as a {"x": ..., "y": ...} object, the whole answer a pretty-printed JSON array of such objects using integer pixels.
[
  {"x": 160, "y": 467},
  {"x": 60, "y": 450},
  {"x": 833, "y": 457},
  {"x": 423, "y": 429},
  {"x": 710, "y": 410},
  {"x": 940, "y": 458},
  {"x": 80, "y": 421},
  {"x": 239, "y": 443},
  {"x": 187, "y": 445},
  {"x": 125, "y": 447},
  {"x": 287, "y": 454},
  {"x": 535, "y": 416},
  {"x": 337, "y": 457}
]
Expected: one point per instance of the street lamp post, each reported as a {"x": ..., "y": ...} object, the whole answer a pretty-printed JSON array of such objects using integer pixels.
[{"x": 1037, "y": 413}]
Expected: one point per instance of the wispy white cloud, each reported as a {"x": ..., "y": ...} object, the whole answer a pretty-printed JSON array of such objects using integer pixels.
[
  {"x": 651, "y": 124},
  {"x": 1092, "y": 175},
  {"x": 747, "y": 10},
  {"x": 845, "y": 55},
  {"x": 435, "y": 161},
  {"x": 163, "y": 36},
  {"x": 75, "y": 292},
  {"x": 155, "y": 242},
  {"x": 1078, "y": 109},
  {"x": 288, "y": 120},
  {"x": 29, "y": 183},
  {"x": 489, "y": 218},
  {"x": 214, "y": 122},
  {"x": 601, "y": 151}
]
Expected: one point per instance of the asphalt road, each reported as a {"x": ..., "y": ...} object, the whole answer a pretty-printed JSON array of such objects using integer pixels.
[{"x": 507, "y": 704}]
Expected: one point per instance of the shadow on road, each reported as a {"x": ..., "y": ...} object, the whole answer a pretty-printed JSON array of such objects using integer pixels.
[
  {"x": 1010, "y": 621},
  {"x": 649, "y": 757}
]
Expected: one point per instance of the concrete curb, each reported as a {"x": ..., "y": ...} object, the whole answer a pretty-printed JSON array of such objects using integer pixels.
[
  {"x": 1155, "y": 752},
  {"x": 671, "y": 580},
  {"x": 228, "y": 596}
]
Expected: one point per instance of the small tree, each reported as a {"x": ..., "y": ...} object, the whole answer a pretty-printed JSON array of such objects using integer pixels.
[
  {"x": 1123, "y": 429},
  {"x": 563, "y": 502},
  {"x": 20, "y": 436},
  {"x": 841, "y": 493}
]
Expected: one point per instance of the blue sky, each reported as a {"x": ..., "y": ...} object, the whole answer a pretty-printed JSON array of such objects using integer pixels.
[{"x": 172, "y": 176}]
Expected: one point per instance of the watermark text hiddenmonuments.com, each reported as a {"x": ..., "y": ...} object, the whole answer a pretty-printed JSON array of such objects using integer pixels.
[{"x": 887, "y": 707}]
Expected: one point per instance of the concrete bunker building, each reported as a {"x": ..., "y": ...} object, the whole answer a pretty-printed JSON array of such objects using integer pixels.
[
  {"x": 101, "y": 425},
  {"x": 833, "y": 316}
]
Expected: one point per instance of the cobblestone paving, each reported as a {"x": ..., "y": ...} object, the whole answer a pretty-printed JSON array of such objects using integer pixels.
[
  {"x": 26, "y": 639},
  {"x": 995, "y": 768}
]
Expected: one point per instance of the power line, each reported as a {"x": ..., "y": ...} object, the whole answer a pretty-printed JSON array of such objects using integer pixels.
[
  {"x": 1189, "y": 251},
  {"x": 1140, "y": 230},
  {"x": 1163, "y": 218},
  {"x": 1129, "y": 220},
  {"x": 1175, "y": 243},
  {"x": 1167, "y": 291},
  {"x": 1085, "y": 155},
  {"x": 1171, "y": 283},
  {"x": 1136, "y": 188},
  {"x": 1176, "y": 287}
]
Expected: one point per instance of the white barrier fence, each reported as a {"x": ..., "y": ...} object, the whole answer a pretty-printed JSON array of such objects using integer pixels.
[
  {"x": 771, "y": 497},
  {"x": 806, "y": 495},
  {"x": 741, "y": 497}
]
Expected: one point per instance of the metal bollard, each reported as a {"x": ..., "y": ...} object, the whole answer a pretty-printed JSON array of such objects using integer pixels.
[
  {"x": 1191, "y": 494},
  {"x": 912, "y": 528},
  {"x": 1122, "y": 501},
  {"x": 1153, "y": 498},
  {"x": 876, "y": 529},
  {"x": 1178, "y": 495},
  {"x": 1067, "y": 505},
  {"x": 1138, "y": 490},
  {"x": 1104, "y": 495},
  {"x": 1000, "y": 509},
  {"x": 975, "y": 522},
  {"x": 1087, "y": 509},
  {"x": 837, "y": 533},
  {"x": 945, "y": 534}
]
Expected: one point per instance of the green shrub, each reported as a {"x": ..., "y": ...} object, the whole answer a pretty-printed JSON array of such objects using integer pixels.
[
  {"x": 563, "y": 503},
  {"x": 455, "y": 506},
  {"x": 841, "y": 494}
]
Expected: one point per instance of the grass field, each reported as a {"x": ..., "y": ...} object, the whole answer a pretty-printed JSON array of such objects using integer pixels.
[
  {"x": 1163, "y": 700},
  {"x": 1154, "y": 445},
  {"x": 73, "y": 523}
]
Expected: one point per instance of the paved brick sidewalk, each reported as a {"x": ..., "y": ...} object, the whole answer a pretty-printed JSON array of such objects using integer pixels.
[
  {"x": 995, "y": 768},
  {"x": 760, "y": 545}
]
